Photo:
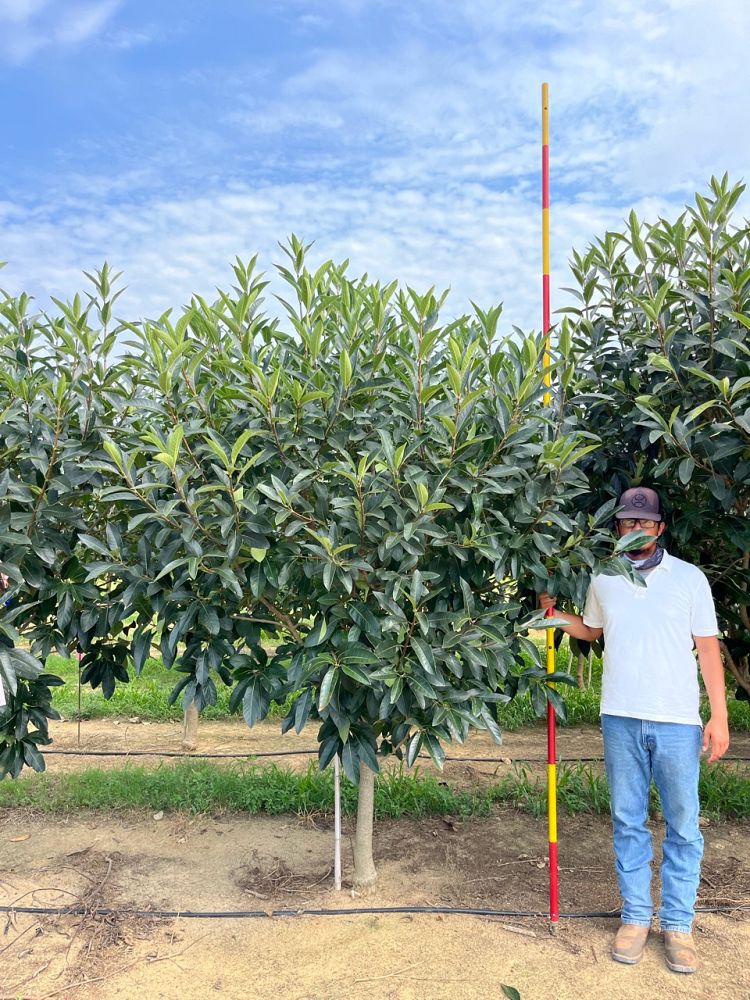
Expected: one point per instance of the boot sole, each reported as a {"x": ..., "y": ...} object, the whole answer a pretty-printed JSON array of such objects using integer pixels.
[
  {"x": 626, "y": 960},
  {"x": 684, "y": 969}
]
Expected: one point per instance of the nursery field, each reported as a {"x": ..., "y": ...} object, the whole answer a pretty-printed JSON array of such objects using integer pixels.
[
  {"x": 219, "y": 860},
  {"x": 343, "y": 518}
]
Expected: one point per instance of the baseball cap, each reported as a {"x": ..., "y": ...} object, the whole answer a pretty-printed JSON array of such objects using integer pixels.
[{"x": 640, "y": 501}]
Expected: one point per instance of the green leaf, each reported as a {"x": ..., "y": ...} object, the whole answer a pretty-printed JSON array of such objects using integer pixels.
[
  {"x": 302, "y": 710},
  {"x": 435, "y": 750},
  {"x": 350, "y": 761},
  {"x": 633, "y": 540},
  {"x": 33, "y": 757},
  {"x": 171, "y": 566},
  {"x": 697, "y": 410},
  {"x": 240, "y": 443},
  {"x": 141, "y": 648},
  {"x": 94, "y": 543},
  {"x": 415, "y": 745},
  {"x": 256, "y": 702},
  {"x": 361, "y": 615},
  {"x": 345, "y": 368},
  {"x": 685, "y": 470},
  {"x": 424, "y": 654},
  {"x": 327, "y": 687},
  {"x": 219, "y": 452},
  {"x": 355, "y": 673}
]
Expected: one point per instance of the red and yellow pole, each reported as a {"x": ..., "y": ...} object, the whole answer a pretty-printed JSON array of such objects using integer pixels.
[{"x": 554, "y": 914}]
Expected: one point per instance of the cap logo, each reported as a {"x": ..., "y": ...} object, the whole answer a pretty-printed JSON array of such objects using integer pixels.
[{"x": 639, "y": 500}]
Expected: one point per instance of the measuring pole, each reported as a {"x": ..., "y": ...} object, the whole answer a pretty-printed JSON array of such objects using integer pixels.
[{"x": 554, "y": 906}]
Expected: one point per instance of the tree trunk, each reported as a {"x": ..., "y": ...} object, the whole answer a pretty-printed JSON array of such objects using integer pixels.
[
  {"x": 364, "y": 866},
  {"x": 740, "y": 671},
  {"x": 190, "y": 727}
]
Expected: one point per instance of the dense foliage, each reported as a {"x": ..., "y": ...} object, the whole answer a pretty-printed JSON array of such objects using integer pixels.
[
  {"x": 371, "y": 490},
  {"x": 376, "y": 492},
  {"x": 660, "y": 346}
]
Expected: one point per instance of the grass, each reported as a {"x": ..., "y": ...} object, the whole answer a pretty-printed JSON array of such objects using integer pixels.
[
  {"x": 739, "y": 715},
  {"x": 724, "y": 791},
  {"x": 204, "y": 787},
  {"x": 146, "y": 696}
]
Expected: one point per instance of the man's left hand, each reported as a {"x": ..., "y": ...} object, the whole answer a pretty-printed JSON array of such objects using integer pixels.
[{"x": 716, "y": 735}]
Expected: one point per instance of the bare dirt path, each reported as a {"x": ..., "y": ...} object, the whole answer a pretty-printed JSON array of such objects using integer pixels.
[
  {"x": 235, "y": 862},
  {"x": 233, "y": 737},
  {"x": 264, "y": 863}
]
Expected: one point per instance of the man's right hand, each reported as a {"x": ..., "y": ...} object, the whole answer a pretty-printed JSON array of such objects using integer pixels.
[
  {"x": 546, "y": 602},
  {"x": 575, "y": 626}
]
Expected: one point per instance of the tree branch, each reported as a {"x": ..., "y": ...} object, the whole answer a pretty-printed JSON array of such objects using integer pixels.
[
  {"x": 285, "y": 620},
  {"x": 744, "y": 682}
]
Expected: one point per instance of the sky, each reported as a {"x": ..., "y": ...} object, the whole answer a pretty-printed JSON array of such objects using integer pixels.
[{"x": 170, "y": 137}]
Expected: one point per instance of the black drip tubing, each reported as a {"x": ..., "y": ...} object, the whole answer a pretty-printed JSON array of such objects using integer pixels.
[{"x": 105, "y": 911}]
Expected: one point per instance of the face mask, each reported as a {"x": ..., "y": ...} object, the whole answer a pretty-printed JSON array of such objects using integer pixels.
[{"x": 650, "y": 561}]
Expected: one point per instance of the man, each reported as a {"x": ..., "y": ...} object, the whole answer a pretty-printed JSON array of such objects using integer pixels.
[{"x": 651, "y": 725}]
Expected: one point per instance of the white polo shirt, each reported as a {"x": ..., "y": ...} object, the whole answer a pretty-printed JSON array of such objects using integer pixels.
[{"x": 650, "y": 670}]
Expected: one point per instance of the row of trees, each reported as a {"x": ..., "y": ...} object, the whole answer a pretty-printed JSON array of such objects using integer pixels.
[{"x": 376, "y": 494}]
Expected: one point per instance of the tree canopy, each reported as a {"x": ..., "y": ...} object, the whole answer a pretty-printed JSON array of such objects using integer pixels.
[{"x": 357, "y": 503}]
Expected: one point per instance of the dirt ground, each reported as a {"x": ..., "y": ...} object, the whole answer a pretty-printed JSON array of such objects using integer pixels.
[
  {"x": 233, "y": 737},
  {"x": 230, "y": 863}
]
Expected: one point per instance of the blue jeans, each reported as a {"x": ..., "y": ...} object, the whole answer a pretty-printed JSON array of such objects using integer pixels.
[{"x": 635, "y": 751}]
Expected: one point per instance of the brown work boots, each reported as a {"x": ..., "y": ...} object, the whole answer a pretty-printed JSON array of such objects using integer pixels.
[
  {"x": 630, "y": 942},
  {"x": 679, "y": 950}
]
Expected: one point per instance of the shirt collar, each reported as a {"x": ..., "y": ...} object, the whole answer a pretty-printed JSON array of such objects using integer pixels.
[{"x": 667, "y": 562}]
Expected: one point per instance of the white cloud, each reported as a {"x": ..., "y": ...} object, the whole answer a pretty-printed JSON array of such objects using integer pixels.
[
  {"x": 419, "y": 158},
  {"x": 637, "y": 87},
  {"x": 83, "y": 21},
  {"x": 20, "y": 11},
  {"x": 131, "y": 38},
  {"x": 33, "y": 25},
  {"x": 484, "y": 244}
]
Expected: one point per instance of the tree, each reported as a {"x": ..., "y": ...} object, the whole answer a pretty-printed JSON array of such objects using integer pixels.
[
  {"x": 662, "y": 377},
  {"x": 375, "y": 494},
  {"x": 56, "y": 392}
]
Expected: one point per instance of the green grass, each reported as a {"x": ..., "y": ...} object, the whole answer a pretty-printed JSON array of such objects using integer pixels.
[
  {"x": 723, "y": 789},
  {"x": 204, "y": 787},
  {"x": 147, "y": 697},
  {"x": 739, "y": 715}
]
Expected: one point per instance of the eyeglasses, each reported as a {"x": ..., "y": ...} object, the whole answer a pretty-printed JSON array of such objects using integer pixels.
[{"x": 642, "y": 522}]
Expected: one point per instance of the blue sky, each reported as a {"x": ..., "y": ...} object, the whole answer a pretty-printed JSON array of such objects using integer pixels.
[{"x": 168, "y": 137}]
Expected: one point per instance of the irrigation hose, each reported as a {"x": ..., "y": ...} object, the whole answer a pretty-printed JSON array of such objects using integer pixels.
[{"x": 465, "y": 911}]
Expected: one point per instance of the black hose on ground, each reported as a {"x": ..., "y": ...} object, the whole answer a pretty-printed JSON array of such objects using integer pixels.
[{"x": 466, "y": 911}]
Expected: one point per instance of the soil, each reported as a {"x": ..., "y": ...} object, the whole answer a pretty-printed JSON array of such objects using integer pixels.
[
  {"x": 225, "y": 863},
  {"x": 480, "y": 758}
]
